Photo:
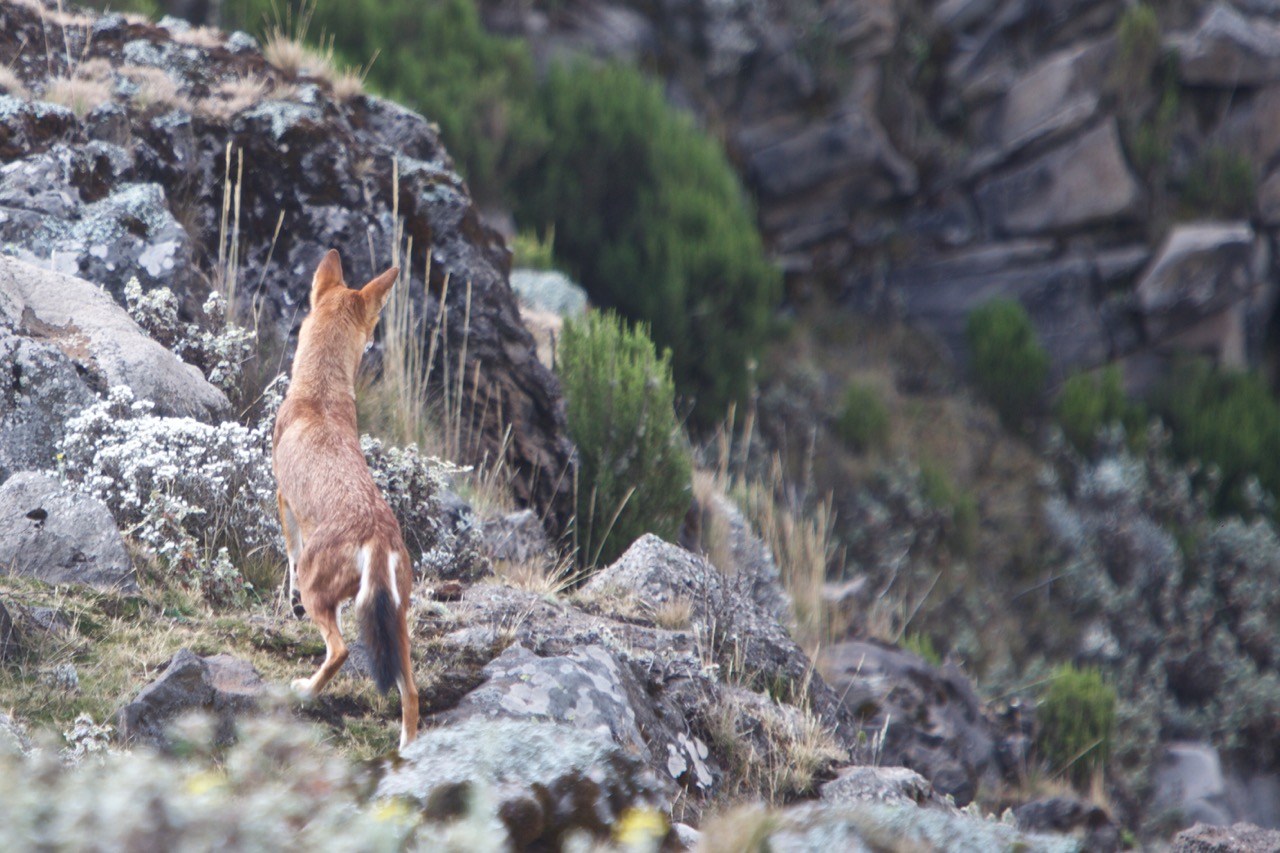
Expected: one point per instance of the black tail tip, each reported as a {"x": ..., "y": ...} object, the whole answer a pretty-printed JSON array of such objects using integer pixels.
[{"x": 383, "y": 639}]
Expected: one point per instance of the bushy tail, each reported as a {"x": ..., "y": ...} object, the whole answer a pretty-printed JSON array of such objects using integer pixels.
[{"x": 378, "y": 629}]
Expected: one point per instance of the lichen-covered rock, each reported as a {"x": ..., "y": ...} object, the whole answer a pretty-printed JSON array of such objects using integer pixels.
[
  {"x": 13, "y": 739},
  {"x": 742, "y": 635},
  {"x": 584, "y": 689},
  {"x": 549, "y": 290},
  {"x": 894, "y": 785},
  {"x": 544, "y": 780},
  {"x": 56, "y": 535},
  {"x": 221, "y": 685}
]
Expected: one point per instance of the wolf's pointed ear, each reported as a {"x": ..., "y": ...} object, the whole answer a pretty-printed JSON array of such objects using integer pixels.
[
  {"x": 328, "y": 276},
  {"x": 377, "y": 292}
]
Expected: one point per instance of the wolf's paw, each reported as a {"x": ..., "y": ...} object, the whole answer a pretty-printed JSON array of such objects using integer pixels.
[{"x": 301, "y": 688}]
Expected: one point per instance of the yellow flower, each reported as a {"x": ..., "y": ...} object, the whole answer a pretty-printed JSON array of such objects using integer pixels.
[{"x": 641, "y": 829}]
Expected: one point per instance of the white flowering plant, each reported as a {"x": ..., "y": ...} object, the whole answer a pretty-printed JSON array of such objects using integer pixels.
[
  {"x": 219, "y": 354},
  {"x": 200, "y": 496}
]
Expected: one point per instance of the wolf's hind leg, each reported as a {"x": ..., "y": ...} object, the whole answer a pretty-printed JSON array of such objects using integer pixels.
[{"x": 293, "y": 549}]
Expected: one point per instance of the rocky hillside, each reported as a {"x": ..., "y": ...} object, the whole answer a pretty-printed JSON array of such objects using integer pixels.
[{"x": 1108, "y": 165}]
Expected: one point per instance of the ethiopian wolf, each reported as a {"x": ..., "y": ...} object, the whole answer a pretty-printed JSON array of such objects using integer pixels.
[{"x": 340, "y": 535}]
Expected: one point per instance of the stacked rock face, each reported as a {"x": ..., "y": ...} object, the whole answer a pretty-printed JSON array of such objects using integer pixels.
[
  {"x": 928, "y": 157},
  {"x": 164, "y": 153}
]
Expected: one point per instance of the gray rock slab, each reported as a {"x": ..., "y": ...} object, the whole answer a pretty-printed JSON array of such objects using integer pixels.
[
  {"x": 49, "y": 532},
  {"x": 220, "y": 684},
  {"x": 1200, "y": 269},
  {"x": 544, "y": 780},
  {"x": 1055, "y": 97},
  {"x": 1056, "y": 292},
  {"x": 1084, "y": 182},
  {"x": 1229, "y": 50},
  {"x": 583, "y": 689}
]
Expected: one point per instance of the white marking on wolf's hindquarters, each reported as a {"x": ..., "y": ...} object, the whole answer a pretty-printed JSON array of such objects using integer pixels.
[
  {"x": 363, "y": 559},
  {"x": 392, "y": 559}
]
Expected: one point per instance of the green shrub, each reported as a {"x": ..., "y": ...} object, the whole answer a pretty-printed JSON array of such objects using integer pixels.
[
  {"x": 1076, "y": 716},
  {"x": 1009, "y": 366},
  {"x": 633, "y": 463},
  {"x": 1226, "y": 418},
  {"x": 651, "y": 219},
  {"x": 939, "y": 492},
  {"x": 863, "y": 423},
  {"x": 1138, "y": 45},
  {"x": 436, "y": 57},
  {"x": 1220, "y": 182},
  {"x": 921, "y": 645},
  {"x": 529, "y": 251},
  {"x": 1087, "y": 402}
]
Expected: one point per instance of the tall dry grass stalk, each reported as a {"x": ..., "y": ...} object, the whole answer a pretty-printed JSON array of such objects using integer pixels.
[
  {"x": 227, "y": 274},
  {"x": 401, "y": 406},
  {"x": 798, "y": 530}
]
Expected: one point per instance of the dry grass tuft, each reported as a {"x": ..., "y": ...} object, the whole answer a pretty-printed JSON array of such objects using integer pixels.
[
  {"x": 206, "y": 37},
  {"x": 78, "y": 94},
  {"x": 675, "y": 614},
  {"x": 155, "y": 88},
  {"x": 11, "y": 83},
  {"x": 796, "y": 749},
  {"x": 744, "y": 829},
  {"x": 538, "y": 575},
  {"x": 799, "y": 533}
]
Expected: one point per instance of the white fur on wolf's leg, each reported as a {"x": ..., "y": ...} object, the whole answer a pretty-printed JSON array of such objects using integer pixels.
[{"x": 301, "y": 688}]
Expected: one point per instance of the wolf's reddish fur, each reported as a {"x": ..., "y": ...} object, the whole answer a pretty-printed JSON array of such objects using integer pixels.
[{"x": 341, "y": 537}]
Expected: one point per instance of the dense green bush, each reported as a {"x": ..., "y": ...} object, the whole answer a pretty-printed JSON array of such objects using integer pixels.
[
  {"x": 1077, "y": 716},
  {"x": 436, "y": 57},
  {"x": 652, "y": 221},
  {"x": 1087, "y": 402},
  {"x": 633, "y": 462},
  {"x": 1008, "y": 364},
  {"x": 1226, "y": 418},
  {"x": 863, "y": 422}
]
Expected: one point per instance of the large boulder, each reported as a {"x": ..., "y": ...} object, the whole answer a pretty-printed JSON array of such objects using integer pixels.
[
  {"x": 744, "y": 636},
  {"x": 67, "y": 342},
  {"x": 49, "y": 532}
]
